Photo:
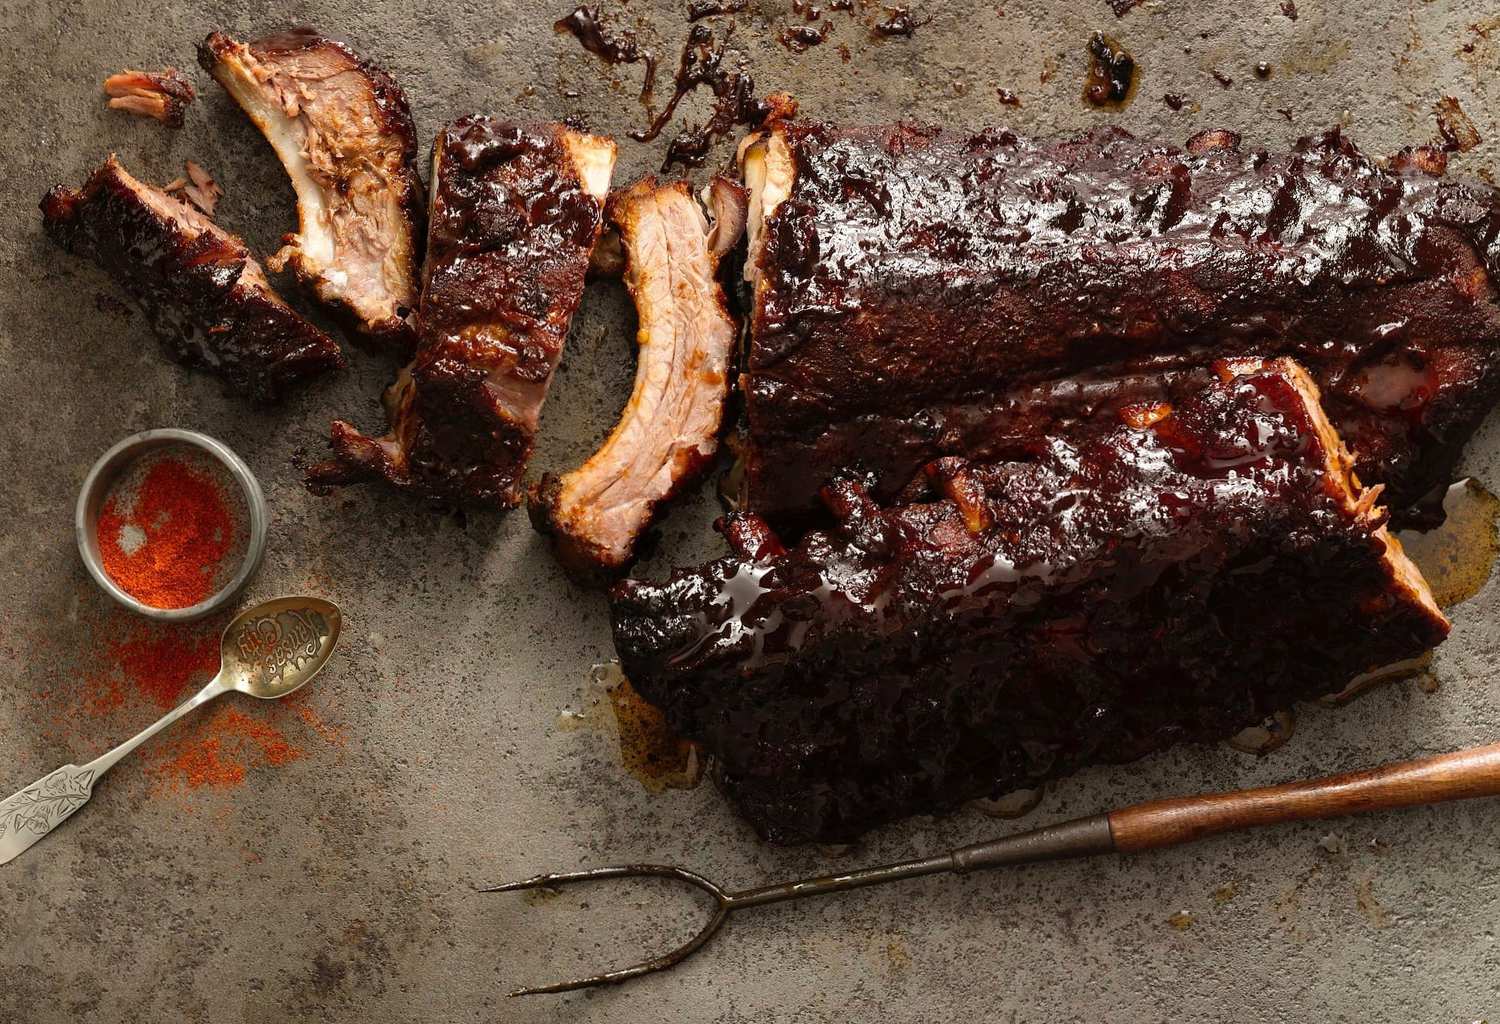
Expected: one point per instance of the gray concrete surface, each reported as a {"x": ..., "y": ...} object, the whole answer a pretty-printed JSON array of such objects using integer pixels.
[{"x": 335, "y": 886}]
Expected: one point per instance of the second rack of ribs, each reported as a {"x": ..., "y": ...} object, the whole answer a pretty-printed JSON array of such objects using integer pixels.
[{"x": 1182, "y": 576}]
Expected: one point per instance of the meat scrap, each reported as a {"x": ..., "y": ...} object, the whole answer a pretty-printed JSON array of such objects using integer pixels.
[
  {"x": 515, "y": 214},
  {"x": 205, "y": 297},
  {"x": 198, "y": 188},
  {"x": 163, "y": 94},
  {"x": 669, "y": 431},
  {"x": 1172, "y": 581},
  {"x": 910, "y": 282},
  {"x": 342, "y": 129}
]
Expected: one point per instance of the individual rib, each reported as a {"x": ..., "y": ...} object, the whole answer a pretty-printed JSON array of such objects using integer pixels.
[
  {"x": 515, "y": 213},
  {"x": 911, "y": 282},
  {"x": 205, "y": 297},
  {"x": 669, "y": 431},
  {"x": 1183, "y": 575},
  {"x": 343, "y": 132}
]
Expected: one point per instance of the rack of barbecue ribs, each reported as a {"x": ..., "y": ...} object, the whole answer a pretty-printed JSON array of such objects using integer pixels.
[
  {"x": 342, "y": 129},
  {"x": 1177, "y": 577},
  {"x": 669, "y": 431},
  {"x": 515, "y": 213},
  {"x": 921, "y": 293},
  {"x": 203, "y": 294}
]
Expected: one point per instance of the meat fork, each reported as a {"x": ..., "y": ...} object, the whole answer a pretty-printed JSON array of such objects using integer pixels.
[{"x": 1460, "y": 775}]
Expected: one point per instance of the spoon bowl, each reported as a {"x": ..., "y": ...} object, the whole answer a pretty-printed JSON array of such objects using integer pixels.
[{"x": 276, "y": 647}]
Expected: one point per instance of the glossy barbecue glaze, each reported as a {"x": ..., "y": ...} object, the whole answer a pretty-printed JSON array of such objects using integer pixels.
[
  {"x": 913, "y": 278},
  {"x": 1191, "y": 571},
  {"x": 515, "y": 213},
  {"x": 205, "y": 297}
]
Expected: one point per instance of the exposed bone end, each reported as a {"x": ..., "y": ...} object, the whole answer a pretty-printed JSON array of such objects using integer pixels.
[
  {"x": 728, "y": 204},
  {"x": 594, "y": 159},
  {"x": 768, "y": 171}
]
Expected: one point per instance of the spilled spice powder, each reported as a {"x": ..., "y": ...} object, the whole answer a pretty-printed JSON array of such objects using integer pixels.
[
  {"x": 233, "y": 741},
  {"x": 160, "y": 664},
  {"x": 135, "y": 668},
  {"x": 172, "y": 532}
]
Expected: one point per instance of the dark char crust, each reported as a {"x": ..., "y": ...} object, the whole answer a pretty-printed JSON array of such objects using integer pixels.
[
  {"x": 191, "y": 284},
  {"x": 1172, "y": 581},
  {"x": 920, "y": 281},
  {"x": 508, "y": 248}
]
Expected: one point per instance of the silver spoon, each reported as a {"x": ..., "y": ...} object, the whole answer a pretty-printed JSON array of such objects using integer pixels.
[{"x": 267, "y": 651}]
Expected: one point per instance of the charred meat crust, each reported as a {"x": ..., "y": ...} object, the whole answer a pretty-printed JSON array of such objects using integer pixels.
[
  {"x": 164, "y": 94},
  {"x": 1173, "y": 580},
  {"x": 668, "y": 433},
  {"x": 515, "y": 213},
  {"x": 914, "y": 278},
  {"x": 344, "y": 132},
  {"x": 205, "y": 297}
]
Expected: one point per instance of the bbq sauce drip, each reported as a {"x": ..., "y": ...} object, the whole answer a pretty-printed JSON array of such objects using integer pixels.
[
  {"x": 899, "y": 22},
  {"x": 703, "y": 62},
  {"x": 699, "y": 9},
  {"x": 1457, "y": 557},
  {"x": 1111, "y": 75},
  {"x": 801, "y": 38},
  {"x": 616, "y": 47}
]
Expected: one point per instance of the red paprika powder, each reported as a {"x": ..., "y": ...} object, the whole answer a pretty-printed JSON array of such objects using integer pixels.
[{"x": 170, "y": 530}]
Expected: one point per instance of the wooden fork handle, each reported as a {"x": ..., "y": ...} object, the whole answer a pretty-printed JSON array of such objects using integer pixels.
[{"x": 1460, "y": 775}]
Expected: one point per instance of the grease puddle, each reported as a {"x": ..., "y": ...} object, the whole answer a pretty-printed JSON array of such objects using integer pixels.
[
  {"x": 1457, "y": 557},
  {"x": 650, "y": 751}
]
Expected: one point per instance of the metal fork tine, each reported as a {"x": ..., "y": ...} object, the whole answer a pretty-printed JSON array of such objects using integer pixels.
[{"x": 722, "y": 907}]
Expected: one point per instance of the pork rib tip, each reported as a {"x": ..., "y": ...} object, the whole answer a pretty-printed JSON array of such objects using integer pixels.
[
  {"x": 205, "y": 297},
  {"x": 163, "y": 94},
  {"x": 344, "y": 133},
  {"x": 910, "y": 282},
  {"x": 1175, "y": 579},
  {"x": 669, "y": 431},
  {"x": 515, "y": 213}
]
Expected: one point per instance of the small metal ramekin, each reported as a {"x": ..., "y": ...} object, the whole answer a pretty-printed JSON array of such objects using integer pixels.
[{"x": 108, "y": 469}]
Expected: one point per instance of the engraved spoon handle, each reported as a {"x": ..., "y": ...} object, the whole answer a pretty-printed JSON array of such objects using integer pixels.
[{"x": 32, "y": 813}]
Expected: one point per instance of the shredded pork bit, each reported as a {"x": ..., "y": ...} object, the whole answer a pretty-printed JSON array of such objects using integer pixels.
[
  {"x": 198, "y": 188},
  {"x": 163, "y": 94}
]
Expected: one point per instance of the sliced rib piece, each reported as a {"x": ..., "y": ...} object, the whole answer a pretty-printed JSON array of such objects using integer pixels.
[
  {"x": 669, "y": 431},
  {"x": 204, "y": 295},
  {"x": 515, "y": 213},
  {"x": 1180, "y": 577},
  {"x": 163, "y": 94},
  {"x": 908, "y": 279},
  {"x": 344, "y": 133}
]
